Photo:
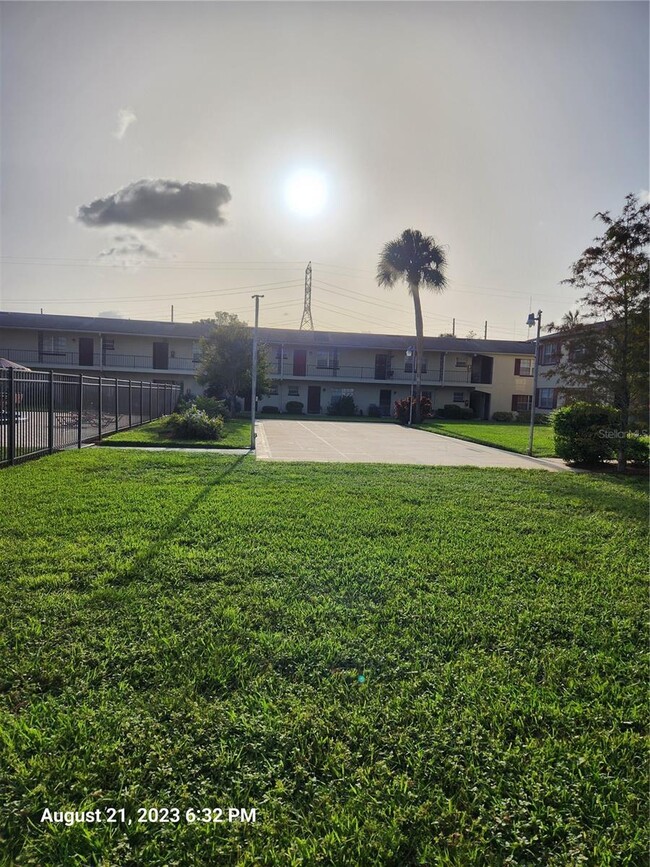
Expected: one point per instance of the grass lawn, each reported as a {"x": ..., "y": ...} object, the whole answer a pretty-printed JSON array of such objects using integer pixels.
[
  {"x": 237, "y": 435},
  {"x": 392, "y": 665},
  {"x": 503, "y": 435}
]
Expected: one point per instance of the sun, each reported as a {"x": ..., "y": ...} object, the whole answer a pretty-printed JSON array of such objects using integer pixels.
[{"x": 306, "y": 193}]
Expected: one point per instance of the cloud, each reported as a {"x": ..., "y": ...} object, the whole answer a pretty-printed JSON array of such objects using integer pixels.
[
  {"x": 111, "y": 314},
  {"x": 152, "y": 203},
  {"x": 130, "y": 246},
  {"x": 644, "y": 195},
  {"x": 125, "y": 117}
]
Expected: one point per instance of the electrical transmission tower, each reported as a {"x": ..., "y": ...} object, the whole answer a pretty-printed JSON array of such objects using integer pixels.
[{"x": 307, "y": 322}]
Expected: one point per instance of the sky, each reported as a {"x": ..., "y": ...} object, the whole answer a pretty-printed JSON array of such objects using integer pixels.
[{"x": 192, "y": 154}]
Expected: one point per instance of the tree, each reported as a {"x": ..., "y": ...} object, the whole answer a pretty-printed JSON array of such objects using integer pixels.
[
  {"x": 606, "y": 354},
  {"x": 226, "y": 359},
  {"x": 420, "y": 262}
]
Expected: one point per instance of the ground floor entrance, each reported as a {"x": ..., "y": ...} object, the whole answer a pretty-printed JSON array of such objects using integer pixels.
[
  {"x": 479, "y": 401},
  {"x": 313, "y": 400}
]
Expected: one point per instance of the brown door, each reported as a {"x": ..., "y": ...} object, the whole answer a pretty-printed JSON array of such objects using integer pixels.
[
  {"x": 313, "y": 399},
  {"x": 381, "y": 366},
  {"x": 299, "y": 362},
  {"x": 385, "y": 396},
  {"x": 86, "y": 351},
  {"x": 161, "y": 356}
]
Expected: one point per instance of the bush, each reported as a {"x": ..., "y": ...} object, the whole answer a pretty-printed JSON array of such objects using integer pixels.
[
  {"x": 540, "y": 417},
  {"x": 294, "y": 407},
  {"x": 402, "y": 409},
  {"x": 195, "y": 424},
  {"x": 212, "y": 407},
  {"x": 268, "y": 410},
  {"x": 585, "y": 433},
  {"x": 374, "y": 411},
  {"x": 185, "y": 401},
  {"x": 637, "y": 450},
  {"x": 343, "y": 406},
  {"x": 452, "y": 410},
  {"x": 502, "y": 416}
]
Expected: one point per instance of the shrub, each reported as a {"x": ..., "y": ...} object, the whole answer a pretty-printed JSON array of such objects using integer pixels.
[
  {"x": 402, "y": 408},
  {"x": 212, "y": 407},
  {"x": 502, "y": 416},
  {"x": 452, "y": 410},
  {"x": 637, "y": 450},
  {"x": 540, "y": 417},
  {"x": 374, "y": 411},
  {"x": 294, "y": 407},
  {"x": 268, "y": 410},
  {"x": 185, "y": 401},
  {"x": 195, "y": 424},
  {"x": 344, "y": 406},
  {"x": 585, "y": 433}
]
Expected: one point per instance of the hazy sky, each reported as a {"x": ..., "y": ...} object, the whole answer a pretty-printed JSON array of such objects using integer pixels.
[{"x": 146, "y": 149}]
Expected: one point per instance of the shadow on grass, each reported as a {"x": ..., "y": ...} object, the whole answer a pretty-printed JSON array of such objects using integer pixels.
[
  {"x": 625, "y": 495},
  {"x": 171, "y": 528}
]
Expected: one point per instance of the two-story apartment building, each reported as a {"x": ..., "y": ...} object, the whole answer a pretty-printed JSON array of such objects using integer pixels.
[
  {"x": 128, "y": 348},
  {"x": 312, "y": 367}
]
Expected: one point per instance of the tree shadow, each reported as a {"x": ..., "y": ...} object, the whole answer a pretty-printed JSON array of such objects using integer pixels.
[{"x": 169, "y": 530}]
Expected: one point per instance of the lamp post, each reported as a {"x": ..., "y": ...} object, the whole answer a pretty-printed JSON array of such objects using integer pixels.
[
  {"x": 254, "y": 372},
  {"x": 532, "y": 319},
  {"x": 411, "y": 352}
]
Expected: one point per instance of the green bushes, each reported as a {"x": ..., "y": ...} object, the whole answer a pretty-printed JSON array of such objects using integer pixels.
[
  {"x": 637, "y": 450},
  {"x": 502, "y": 416},
  {"x": 343, "y": 406},
  {"x": 212, "y": 407},
  {"x": 523, "y": 415},
  {"x": 586, "y": 433},
  {"x": 452, "y": 410},
  {"x": 195, "y": 423},
  {"x": 270, "y": 410},
  {"x": 294, "y": 407},
  {"x": 374, "y": 411}
]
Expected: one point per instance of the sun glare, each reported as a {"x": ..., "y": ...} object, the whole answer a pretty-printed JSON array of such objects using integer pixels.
[{"x": 306, "y": 193}]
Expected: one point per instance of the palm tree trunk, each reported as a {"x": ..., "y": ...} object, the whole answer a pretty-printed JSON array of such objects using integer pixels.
[{"x": 419, "y": 347}]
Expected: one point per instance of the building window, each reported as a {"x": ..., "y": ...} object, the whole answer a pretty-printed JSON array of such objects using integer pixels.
[
  {"x": 196, "y": 352},
  {"x": 327, "y": 360},
  {"x": 408, "y": 366},
  {"x": 459, "y": 397},
  {"x": 523, "y": 366},
  {"x": 109, "y": 345},
  {"x": 461, "y": 362},
  {"x": 546, "y": 398},
  {"x": 53, "y": 343},
  {"x": 273, "y": 389},
  {"x": 427, "y": 394},
  {"x": 294, "y": 391},
  {"x": 550, "y": 353},
  {"x": 521, "y": 403}
]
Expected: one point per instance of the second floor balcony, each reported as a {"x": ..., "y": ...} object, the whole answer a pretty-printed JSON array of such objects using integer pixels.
[
  {"x": 351, "y": 373},
  {"x": 107, "y": 361}
]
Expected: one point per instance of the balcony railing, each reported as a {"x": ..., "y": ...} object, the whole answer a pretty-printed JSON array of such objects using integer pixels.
[
  {"x": 110, "y": 361},
  {"x": 352, "y": 373}
]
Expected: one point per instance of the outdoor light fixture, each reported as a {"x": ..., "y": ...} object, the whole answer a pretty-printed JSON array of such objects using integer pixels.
[{"x": 532, "y": 319}]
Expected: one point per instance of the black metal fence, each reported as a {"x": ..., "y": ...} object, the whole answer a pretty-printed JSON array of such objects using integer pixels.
[{"x": 42, "y": 411}]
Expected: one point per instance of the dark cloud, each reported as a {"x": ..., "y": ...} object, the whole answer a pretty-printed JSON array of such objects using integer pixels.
[{"x": 152, "y": 203}]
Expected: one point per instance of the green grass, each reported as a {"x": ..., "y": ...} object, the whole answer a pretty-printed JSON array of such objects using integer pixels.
[
  {"x": 503, "y": 435},
  {"x": 189, "y": 630},
  {"x": 237, "y": 435}
]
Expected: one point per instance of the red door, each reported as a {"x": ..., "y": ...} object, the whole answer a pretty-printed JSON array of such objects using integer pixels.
[{"x": 299, "y": 362}]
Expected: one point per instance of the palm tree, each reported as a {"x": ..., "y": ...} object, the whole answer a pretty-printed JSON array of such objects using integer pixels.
[{"x": 419, "y": 261}]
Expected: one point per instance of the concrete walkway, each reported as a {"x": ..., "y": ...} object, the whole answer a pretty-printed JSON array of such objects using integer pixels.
[{"x": 364, "y": 442}]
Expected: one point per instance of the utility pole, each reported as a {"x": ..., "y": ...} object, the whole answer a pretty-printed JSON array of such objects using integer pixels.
[
  {"x": 172, "y": 312},
  {"x": 532, "y": 319},
  {"x": 307, "y": 321},
  {"x": 485, "y": 331},
  {"x": 254, "y": 376},
  {"x": 453, "y": 327}
]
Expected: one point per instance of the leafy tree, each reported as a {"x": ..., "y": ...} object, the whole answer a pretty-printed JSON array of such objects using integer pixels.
[
  {"x": 420, "y": 262},
  {"x": 226, "y": 359},
  {"x": 606, "y": 357}
]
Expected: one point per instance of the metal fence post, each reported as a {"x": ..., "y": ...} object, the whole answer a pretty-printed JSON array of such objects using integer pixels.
[
  {"x": 141, "y": 401},
  {"x": 130, "y": 405},
  {"x": 117, "y": 401},
  {"x": 100, "y": 407},
  {"x": 50, "y": 415},
  {"x": 150, "y": 401},
  {"x": 80, "y": 406},
  {"x": 11, "y": 421}
]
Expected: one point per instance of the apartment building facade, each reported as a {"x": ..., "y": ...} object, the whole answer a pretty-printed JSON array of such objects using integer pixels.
[{"x": 312, "y": 367}]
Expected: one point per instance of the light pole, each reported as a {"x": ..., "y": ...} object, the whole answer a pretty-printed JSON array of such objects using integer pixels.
[
  {"x": 412, "y": 353},
  {"x": 532, "y": 319},
  {"x": 254, "y": 374}
]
